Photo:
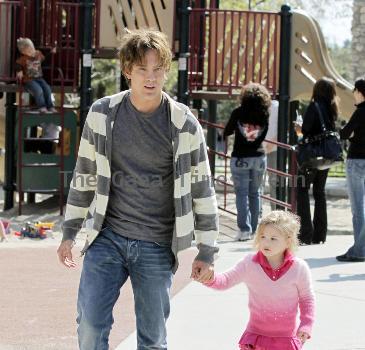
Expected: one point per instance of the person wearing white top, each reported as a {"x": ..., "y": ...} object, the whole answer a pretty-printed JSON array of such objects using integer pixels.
[{"x": 271, "y": 149}]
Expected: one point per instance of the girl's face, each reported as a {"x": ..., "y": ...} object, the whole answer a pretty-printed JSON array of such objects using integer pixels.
[{"x": 272, "y": 243}]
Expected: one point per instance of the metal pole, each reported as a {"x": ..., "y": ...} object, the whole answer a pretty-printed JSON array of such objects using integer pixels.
[
  {"x": 214, "y": 4},
  {"x": 293, "y": 107},
  {"x": 37, "y": 24},
  {"x": 284, "y": 81},
  {"x": 212, "y": 133},
  {"x": 197, "y": 104},
  {"x": 182, "y": 84},
  {"x": 86, "y": 58},
  {"x": 10, "y": 120}
]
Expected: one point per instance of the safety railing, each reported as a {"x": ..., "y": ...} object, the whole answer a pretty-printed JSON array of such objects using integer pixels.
[
  {"x": 290, "y": 176},
  {"x": 231, "y": 48},
  {"x": 12, "y": 26},
  {"x": 57, "y": 25}
]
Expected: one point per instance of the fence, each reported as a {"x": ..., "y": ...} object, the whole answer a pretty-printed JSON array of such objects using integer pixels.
[
  {"x": 290, "y": 176},
  {"x": 231, "y": 48}
]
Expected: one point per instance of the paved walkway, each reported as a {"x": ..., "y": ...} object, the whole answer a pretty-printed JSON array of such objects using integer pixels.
[
  {"x": 37, "y": 308},
  {"x": 206, "y": 319}
]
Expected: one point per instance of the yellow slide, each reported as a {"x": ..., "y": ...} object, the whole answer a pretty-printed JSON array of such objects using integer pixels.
[{"x": 310, "y": 61}]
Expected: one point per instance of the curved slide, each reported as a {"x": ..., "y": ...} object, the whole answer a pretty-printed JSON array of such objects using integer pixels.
[{"x": 310, "y": 61}]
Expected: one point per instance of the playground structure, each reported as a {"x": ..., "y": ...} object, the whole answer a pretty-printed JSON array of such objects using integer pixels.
[{"x": 218, "y": 51}]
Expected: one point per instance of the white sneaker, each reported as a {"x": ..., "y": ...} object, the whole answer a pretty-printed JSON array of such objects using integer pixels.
[
  {"x": 245, "y": 236},
  {"x": 43, "y": 110},
  {"x": 242, "y": 236},
  {"x": 238, "y": 235}
]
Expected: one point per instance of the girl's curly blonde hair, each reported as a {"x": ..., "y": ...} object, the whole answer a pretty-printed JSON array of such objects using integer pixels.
[{"x": 287, "y": 223}]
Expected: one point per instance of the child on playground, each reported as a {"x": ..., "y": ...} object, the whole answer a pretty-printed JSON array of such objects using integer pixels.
[
  {"x": 29, "y": 71},
  {"x": 278, "y": 282}
]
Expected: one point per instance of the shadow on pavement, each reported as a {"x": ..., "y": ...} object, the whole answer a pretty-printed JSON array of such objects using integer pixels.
[
  {"x": 336, "y": 277},
  {"x": 321, "y": 262}
]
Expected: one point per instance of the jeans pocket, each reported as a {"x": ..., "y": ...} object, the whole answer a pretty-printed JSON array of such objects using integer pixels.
[
  {"x": 359, "y": 166},
  {"x": 104, "y": 229},
  {"x": 261, "y": 163},
  {"x": 163, "y": 245},
  {"x": 241, "y": 163}
]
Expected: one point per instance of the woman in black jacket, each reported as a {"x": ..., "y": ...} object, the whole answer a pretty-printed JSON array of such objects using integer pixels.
[
  {"x": 354, "y": 130},
  {"x": 249, "y": 123},
  {"x": 323, "y": 98}
]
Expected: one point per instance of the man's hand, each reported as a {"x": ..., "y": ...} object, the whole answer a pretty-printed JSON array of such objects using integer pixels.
[
  {"x": 64, "y": 253},
  {"x": 201, "y": 271},
  {"x": 302, "y": 336}
]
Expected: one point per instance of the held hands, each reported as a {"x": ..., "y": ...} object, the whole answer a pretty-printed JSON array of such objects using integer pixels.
[
  {"x": 65, "y": 255},
  {"x": 202, "y": 272},
  {"x": 302, "y": 336}
]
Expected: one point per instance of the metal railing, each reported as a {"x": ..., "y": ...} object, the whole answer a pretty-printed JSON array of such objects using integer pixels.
[
  {"x": 48, "y": 23},
  {"x": 11, "y": 12},
  {"x": 231, "y": 48},
  {"x": 290, "y": 176}
]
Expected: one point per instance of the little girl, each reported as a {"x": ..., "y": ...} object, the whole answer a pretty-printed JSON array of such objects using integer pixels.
[{"x": 278, "y": 282}]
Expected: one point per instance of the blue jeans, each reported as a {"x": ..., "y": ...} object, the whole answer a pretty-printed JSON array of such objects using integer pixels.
[
  {"x": 108, "y": 263},
  {"x": 248, "y": 174},
  {"x": 41, "y": 92},
  {"x": 355, "y": 175}
]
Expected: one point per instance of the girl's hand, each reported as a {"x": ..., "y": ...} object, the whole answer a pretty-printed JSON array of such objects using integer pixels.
[
  {"x": 54, "y": 50},
  {"x": 209, "y": 278},
  {"x": 202, "y": 272},
  {"x": 302, "y": 336}
]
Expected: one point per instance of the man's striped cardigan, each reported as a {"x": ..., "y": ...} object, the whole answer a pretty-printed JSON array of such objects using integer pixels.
[{"x": 196, "y": 210}]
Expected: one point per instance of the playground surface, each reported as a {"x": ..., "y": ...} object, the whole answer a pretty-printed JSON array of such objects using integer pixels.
[{"x": 38, "y": 295}]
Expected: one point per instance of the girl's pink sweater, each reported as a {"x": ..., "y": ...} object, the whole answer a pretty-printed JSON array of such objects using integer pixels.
[{"x": 273, "y": 304}]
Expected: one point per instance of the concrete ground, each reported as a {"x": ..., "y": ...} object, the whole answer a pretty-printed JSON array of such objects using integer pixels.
[
  {"x": 38, "y": 296},
  {"x": 206, "y": 319}
]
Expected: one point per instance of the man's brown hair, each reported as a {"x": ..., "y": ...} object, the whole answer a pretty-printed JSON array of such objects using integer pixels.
[{"x": 136, "y": 43}]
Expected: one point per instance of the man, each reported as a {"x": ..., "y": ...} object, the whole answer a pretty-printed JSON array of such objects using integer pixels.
[{"x": 152, "y": 193}]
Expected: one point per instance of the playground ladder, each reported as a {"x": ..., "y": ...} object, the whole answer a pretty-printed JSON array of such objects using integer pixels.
[{"x": 22, "y": 113}]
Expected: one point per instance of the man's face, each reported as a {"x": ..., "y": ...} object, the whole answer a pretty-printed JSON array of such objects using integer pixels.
[{"x": 147, "y": 79}]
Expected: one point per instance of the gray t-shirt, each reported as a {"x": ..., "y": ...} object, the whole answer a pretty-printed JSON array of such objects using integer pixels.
[{"x": 141, "y": 201}]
